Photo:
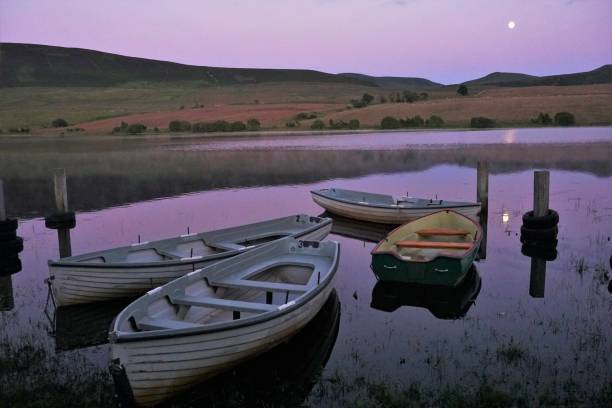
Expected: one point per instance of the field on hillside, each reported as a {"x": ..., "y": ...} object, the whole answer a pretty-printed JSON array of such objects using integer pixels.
[{"x": 100, "y": 109}]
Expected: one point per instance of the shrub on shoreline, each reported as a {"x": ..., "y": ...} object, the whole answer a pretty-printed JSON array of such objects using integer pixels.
[
  {"x": 253, "y": 125},
  {"x": 59, "y": 122},
  {"x": 317, "y": 125},
  {"x": 389, "y": 122},
  {"x": 564, "y": 119},
  {"x": 542, "y": 119},
  {"x": 305, "y": 116},
  {"x": 434, "y": 121},
  {"x": 481, "y": 122},
  {"x": 351, "y": 124},
  {"x": 134, "y": 128},
  {"x": 179, "y": 126}
]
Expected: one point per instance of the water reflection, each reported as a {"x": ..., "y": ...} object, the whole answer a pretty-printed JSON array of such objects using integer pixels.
[
  {"x": 96, "y": 172},
  {"x": 283, "y": 377},
  {"x": 443, "y": 302},
  {"x": 360, "y": 230},
  {"x": 6, "y": 294},
  {"x": 85, "y": 325},
  {"x": 10, "y": 264}
]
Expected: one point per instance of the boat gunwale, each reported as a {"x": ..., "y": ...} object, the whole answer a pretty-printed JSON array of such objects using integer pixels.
[
  {"x": 458, "y": 204},
  {"x": 181, "y": 261},
  {"x": 395, "y": 254},
  {"x": 117, "y": 337}
]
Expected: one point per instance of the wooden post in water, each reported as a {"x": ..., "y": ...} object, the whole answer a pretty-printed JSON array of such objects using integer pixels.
[
  {"x": 2, "y": 202},
  {"x": 6, "y": 283},
  {"x": 482, "y": 196},
  {"x": 537, "y": 277},
  {"x": 61, "y": 205},
  {"x": 541, "y": 184}
]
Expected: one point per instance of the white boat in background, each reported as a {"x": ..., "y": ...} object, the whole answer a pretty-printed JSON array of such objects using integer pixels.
[
  {"x": 130, "y": 271},
  {"x": 212, "y": 319},
  {"x": 386, "y": 209}
]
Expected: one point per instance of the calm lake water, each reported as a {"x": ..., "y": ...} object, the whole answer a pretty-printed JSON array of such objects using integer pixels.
[{"x": 543, "y": 337}]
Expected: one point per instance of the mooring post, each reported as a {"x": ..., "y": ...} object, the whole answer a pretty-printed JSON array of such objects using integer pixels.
[
  {"x": 541, "y": 184},
  {"x": 61, "y": 205},
  {"x": 482, "y": 196},
  {"x": 6, "y": 283},
  {"x": 2, "y": 202},
  {"x": 537, "y": 277}
]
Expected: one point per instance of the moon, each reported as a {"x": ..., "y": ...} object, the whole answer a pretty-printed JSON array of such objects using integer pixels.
[{"x": 511, "y": 24}]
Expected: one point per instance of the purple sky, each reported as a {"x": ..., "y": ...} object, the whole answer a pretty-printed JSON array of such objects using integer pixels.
[{"x": 444, "y": 40}]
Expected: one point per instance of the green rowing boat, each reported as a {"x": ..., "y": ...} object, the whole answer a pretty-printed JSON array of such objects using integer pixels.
[{"x": 437, "y": 249}]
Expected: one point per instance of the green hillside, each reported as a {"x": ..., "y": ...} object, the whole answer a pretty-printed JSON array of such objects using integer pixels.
[
  {"x": 43, "y": 65},
  {"x": 397, "y": 82},
  {"x": 601, "y": 75}
]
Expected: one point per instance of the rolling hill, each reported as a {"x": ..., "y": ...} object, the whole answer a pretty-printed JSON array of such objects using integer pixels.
[
  {"x": 44, "y": 65},
  {"x": 396, "y": 82},
  {"x": 601, "y": 75}
]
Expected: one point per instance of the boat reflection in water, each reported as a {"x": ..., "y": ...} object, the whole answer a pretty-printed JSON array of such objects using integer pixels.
[
  {"x": 361, "y": 230},
  {"x": 443, "y": 302},
  {"x": 86, "y": 325},
  {"x": 282, "y": 377}
]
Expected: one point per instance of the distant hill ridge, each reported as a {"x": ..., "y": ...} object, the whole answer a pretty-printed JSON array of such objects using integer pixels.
[
  {"x": 45, "y": 65},
  {"x": 601, "y": 75},
  {"x": 396, "y": 82}
]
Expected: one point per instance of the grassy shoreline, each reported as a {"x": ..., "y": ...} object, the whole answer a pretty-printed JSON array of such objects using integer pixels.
[{"x": 162, "y": 135}]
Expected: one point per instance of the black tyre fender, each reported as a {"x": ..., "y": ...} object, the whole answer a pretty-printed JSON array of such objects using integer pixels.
[
  {"x": 9, "y": 266},
  {"x": 544, "y": 244},
  {"x": 534, "y": 251},
  {"x": 8, "y": 236},
  {"x": 61, "y": 221},
  {"x": 13, "y": 247},
  {"x": 546, "y": 221},
  {"x": 538, "y": 235},
  {"x": 9, "y": 225}
]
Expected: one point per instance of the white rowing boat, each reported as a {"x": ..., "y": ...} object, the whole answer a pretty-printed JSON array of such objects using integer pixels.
[
  {"x": 130, "y": 271},
  {"x": 386, "y": 209},
  {"x": 212, "y": 319}
]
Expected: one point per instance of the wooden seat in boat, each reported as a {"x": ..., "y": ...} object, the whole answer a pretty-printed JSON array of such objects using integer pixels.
[
  {"x": 226, "y": 304},
  {"x": 261, "y": 285},
  {"x": 148, "y": 323},
  {"x": 433, "y": 244},
  {"x": 428, "y": 232}
]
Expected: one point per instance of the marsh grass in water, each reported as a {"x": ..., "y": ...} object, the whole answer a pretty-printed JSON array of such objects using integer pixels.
[{"x": 33, "y": 376}]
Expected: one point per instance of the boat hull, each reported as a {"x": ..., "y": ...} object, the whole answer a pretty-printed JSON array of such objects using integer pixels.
[
  {"x": 442, "y": 270},
  {"x": 386, "y": 215},
  {"x": 77, "y": 284},
  {"x": 157, "y": 369}
]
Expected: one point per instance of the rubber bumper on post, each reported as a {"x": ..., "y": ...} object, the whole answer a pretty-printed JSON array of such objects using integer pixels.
[
  {"x": 9, "y": 265},
  {"x": 61, "y": 221},
  {"x": 543, "y": 236},
  {"x": 535, "y": 251},
  {"x": 13, "y": 247},
  {"x": 9, "y": 225},
  {"x": 547, "y": 221}
]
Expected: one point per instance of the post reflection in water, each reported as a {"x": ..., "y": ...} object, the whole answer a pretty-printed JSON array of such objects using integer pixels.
[
  {"x": 6, "y": 294},
  {"x": 443, "y": 302}
]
